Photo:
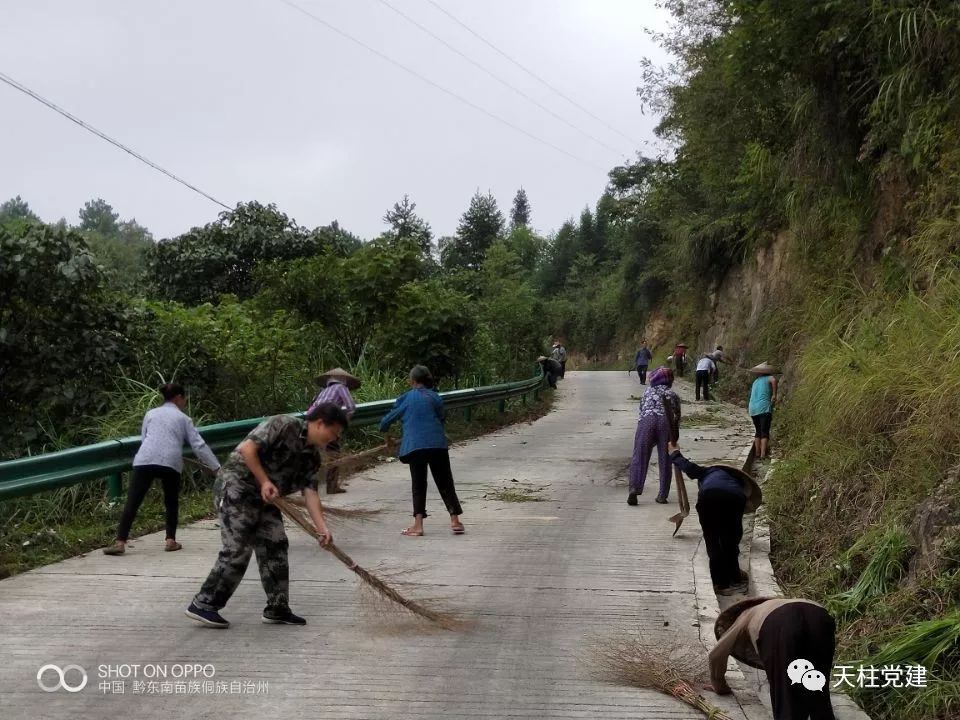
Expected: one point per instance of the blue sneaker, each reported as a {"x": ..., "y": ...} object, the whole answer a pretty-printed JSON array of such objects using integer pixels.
[
  {"x": 281, "y": 616},
  {"x": 207, "y": 617}
]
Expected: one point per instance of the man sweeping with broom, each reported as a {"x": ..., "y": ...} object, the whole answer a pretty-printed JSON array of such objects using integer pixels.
[{"x": 280, "y": 456}]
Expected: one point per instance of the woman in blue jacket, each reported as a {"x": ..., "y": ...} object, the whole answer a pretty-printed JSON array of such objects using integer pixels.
[{"x": 424, "y": 444}]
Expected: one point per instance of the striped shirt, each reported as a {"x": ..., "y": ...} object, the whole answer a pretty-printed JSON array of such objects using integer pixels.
[{"x": 338, "y": 394}]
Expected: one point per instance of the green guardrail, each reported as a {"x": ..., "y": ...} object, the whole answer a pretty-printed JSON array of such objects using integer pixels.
[{"x": 49, "y": 471}]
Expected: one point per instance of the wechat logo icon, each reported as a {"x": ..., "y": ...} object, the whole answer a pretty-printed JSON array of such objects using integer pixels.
[{"x": 802, "y": 671}]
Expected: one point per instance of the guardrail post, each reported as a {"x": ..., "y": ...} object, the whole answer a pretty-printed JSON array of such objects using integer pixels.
[
  {"x": 502, "y": 406},
  {"x": 115, "y": 488},
  {"x": 467, "y": 414}
]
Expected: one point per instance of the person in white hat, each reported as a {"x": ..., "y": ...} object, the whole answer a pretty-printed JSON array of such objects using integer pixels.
[
  {"x": 336, "y": 384},
  {"x": 763, "y": 399}
]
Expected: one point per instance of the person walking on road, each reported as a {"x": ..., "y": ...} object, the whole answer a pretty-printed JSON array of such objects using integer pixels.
[
  {"x": 337, "y": 385},
  {"x": 642, "y": 361},
  {"x": 791, "y": 640},
  {"x": 763, "y": 399},
  {"x": 657, "y": 426},
  {"x": 725, "y": 493},
  {"x": 424, "y": 444},
  {"x": 706, "y": 367},
  {"x": 165, "y": 430},
  {"x": 559, "y": 353},
  {"x": 279, "y": 457}
]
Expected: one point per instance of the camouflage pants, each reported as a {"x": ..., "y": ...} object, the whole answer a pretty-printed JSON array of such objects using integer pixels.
[{"x": 247, "y": 525}]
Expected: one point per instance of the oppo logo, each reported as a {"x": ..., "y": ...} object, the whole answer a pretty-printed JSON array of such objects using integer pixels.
[{"x": 61, "y": 677}]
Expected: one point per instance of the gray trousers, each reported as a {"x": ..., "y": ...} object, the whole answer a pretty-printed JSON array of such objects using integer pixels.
[{"x": 247, "y": 525}]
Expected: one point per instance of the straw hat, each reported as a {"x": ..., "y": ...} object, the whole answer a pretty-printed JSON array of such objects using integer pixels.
[
  {"x": 750, "y": 486},
  {"x": 351, "y": 381},
  {"x": 763, "y": 368},
  {"x": 682, "y": 345},
  {"x": 743, "y": 650}
]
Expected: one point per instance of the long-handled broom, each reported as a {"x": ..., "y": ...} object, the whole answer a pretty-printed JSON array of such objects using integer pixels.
[{"x": 443, "y": 619}]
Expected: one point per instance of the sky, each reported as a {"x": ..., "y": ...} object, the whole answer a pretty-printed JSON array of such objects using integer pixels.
[{"x": 254, "y": 100}]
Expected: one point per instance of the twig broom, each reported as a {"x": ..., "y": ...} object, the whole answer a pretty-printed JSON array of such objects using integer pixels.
[
  {"x": 671, "y": 670},
  {"x": 443, "y": 619}
]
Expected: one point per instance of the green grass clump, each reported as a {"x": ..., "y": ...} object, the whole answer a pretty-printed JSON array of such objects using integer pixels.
[{"x": 881, "y": 574}]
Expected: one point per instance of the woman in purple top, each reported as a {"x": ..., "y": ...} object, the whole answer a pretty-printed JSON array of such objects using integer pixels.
[
  {"x": 658, "y": 424},
  {"x": 337, "y": 384}
]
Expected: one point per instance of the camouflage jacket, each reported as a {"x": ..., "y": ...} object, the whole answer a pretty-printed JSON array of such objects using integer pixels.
[{"x": 290, "y": 462}]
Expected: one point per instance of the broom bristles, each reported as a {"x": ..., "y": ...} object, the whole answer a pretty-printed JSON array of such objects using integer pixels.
[
  {"x": 443, "y": 619},
  {"x": 359, "y": 514},
  {"x": 672, "y": 670}
]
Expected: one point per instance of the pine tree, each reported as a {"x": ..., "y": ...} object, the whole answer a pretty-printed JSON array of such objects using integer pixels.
[
  {"x": 405, "y": 223},
  {"x": 520, "y": 214},
  {"x": 479, "y": 227}
]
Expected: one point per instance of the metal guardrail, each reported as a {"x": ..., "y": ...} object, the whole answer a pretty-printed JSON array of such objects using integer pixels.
[{"x": 49, "y": 471}]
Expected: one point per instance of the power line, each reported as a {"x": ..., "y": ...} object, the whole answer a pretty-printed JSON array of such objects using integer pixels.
[
  {"x": 439, "y": 87},
  {"x": 529, "y": 72},
  {"x": 99, "y": 133},
  {"x": 496, "y": 77}
]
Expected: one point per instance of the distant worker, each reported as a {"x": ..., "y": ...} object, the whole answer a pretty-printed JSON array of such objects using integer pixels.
[
  {"x": 559, "y": 353},
  {"x": 642, "y": 361},
  {"x": 792, "y": 641},
  {"x": 680, "y": 358},
  {"x": 763, "y": 399},
  {"x": 718, "y": 356},
  {"x": 166, "y": 429},
  {"x": 706, "y": 367},
  {"x": 658, "y": 425},
  {"x": 551, "y": 370},
  {"x": 337, "y": 385}
]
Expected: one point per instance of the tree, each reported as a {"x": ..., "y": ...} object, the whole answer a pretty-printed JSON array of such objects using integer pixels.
[
  {"x": 220, "y": 257},
  {"x": 98, "y": 216},
  {"x": 17, "y": 209},
  {"x": 520, "y": 213},
  {"x": 123, "y": 254},
  {"x": 405, "y": 223},
  {"x": 479, "y": 227},
  {"x": 61, "y": 336}
]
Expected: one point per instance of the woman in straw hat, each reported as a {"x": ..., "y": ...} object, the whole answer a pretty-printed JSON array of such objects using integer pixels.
[
  {"x": 724, "y": 494},
  {"x": 763, "y": 398},
  {"x": 657, "y": 425},
  {"x": 337, "y": 385},
  {"x": 792, "y": 640}
]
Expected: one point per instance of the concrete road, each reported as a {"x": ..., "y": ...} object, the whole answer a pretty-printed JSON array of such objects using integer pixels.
[{"x": 541, "y": 582}]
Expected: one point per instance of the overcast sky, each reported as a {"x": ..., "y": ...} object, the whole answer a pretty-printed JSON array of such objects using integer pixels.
[{"x": 252, "y": 100}]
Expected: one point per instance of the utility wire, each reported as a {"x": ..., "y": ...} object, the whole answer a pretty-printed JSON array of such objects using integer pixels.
[
  {"x": 439, "y": 87},
  {"x": 496, "y": 77},
  {"x": 527, "y": 70},
  {"x": 27, "y": 91}
]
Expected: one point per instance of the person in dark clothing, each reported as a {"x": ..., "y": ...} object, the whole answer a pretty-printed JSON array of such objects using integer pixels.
[
  {"x": 559, "y": 353},
  {"x": 791, "y": 640},
  {"x": 725, "y": 493},
  {"x": 642, "y": 361},
  {"x": 705, "y": 369},
  {"x": 551, "y": 369}
]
